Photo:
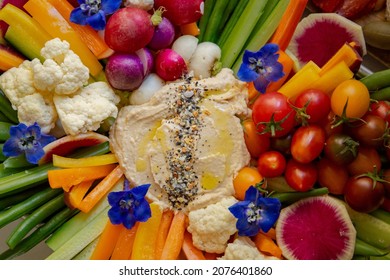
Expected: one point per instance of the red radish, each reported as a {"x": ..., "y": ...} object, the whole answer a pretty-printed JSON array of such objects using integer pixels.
[
  {"x": 181, "y": 12},
  {"x": 147, "y": 60},
  {"x": 124, "y": 71},
  {"x": 130, "y": 29},
  {"x": 170, "y": 65},
  {"x": 163, "y": 36}
]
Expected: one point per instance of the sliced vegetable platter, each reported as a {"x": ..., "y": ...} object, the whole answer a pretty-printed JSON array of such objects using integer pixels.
[{"x": 315, "y": 183}]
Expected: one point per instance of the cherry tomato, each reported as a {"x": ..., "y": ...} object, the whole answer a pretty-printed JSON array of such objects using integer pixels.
[
  {"x": 363, "y": 195},
  {"x": 314, "y": 104},
  {"x": 341, "y": 148},
  {"x": 367, "y": 160},
  {"x": 381, "y": 109},
  {"x": 300, "y": 176},
  {"x": 245, "y": 178},
  {"x": 307, "y": 143},
  {"x": 272, "y": 114},
  {"x": 271, "y": 164},
  {"x": 332, "y": 176},
  {"x": 282, "y": 144},
  {"x": 386, "y": 204},
  {"x": 256, "y": 143},
  {"x": 369, "y": 130},
  {"x": 351, "y": 96},
  {"x": 328, "y": 124},
  {"x": 386, "y": 177}
]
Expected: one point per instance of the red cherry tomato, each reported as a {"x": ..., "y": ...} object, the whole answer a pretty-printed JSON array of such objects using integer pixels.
[
  {"x": 256, "y": 143},
  {"x": 381, "y": 109},
  {"x": 328, "y": 124},
  {"x": 314, "y": 104},
  {"x": 332, "y": 176},
  {"x": 367, "y": 160},
  {"x": 370, "y": 130},
  {"x": 300, "y": 176},
  {"x": 307, "y": 143},
  {"x": 271, "y": 164}
]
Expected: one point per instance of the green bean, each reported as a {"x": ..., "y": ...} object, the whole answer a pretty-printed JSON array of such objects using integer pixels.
[
  {"x": 382, "y": 215},
  {"x": 381, "y": 94},
  {"x": 7, "y": 110},
  {"x": 364, "y": 249},
  {"x": 17, "y": 162},
  {"x": 213, "y": 24},
  {"x": 34, "y": 219},
  {"x": 290, "y": 197},
  {"x": 2, "y": 156},
  {"x": 15, "y": 212},
  {"x": 377, "y": 80},
  {"x": 39, "y": 234},
  {"x": 4, "y": 130},
  {"x": 208, "y": 8},
  {"x": 19, "y": 197},
  {"x": 3, "y": 118}
]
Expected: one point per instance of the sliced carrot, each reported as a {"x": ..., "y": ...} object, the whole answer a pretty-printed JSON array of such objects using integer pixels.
[
  {"x": 271, "y": 233},
  {"x": 124, "y": 244},
  {"x": 144, "y": 247},
  {"x": 289, "y": 21},
  {"x": 175, "y": 237},
  {"x": 101, "y": 189},
  {"x": 76, "y": 194},
  {"x": 89, "y": 36},
  {"x": 189, "y": 250},
  {"x": 107, "y": 241},
  {"x": 190, "y": 29},
  {"x": 9, "y": 59},
  {"x": 287, "y": 64},
  {"x": 66, "y": 162},
  {"x": 266, "y": 245},
  {"x": 166, "y": 220},
  {"x": 68, "y": 177}
]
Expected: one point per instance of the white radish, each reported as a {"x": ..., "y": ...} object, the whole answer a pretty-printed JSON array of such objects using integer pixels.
[
  {"x": 204, "y": 59},
  {"x": 151, "y": 84},
  {"x": 185, "y": 46}
]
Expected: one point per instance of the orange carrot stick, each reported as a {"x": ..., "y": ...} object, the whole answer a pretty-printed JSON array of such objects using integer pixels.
[
  {"x": 190, "y": 29},
  {"x": 288, "y": 23},
  {"x": 107, "y": 241},
  {"x": 66, "y": 178},
  {"x": 266, "y": 245},
  {"x": 189, "y": 250},
  {"x": 124, "y": 244},
  {"x": 76, "y": 194},
  {"x": 101, "y": 189},
  {"x": 271, "y": 233},
  {"x": 163, "y": 230},
  {"x": 175, "y": 237}
]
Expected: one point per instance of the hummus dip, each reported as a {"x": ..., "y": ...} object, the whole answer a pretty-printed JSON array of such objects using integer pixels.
[{"x": 187, "y": 141}]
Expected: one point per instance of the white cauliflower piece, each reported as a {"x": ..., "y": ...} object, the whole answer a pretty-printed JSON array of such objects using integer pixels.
[
  {"x": 141, "y": 4},
  {"x": 86, "y": 109},
  {"x": 211, "y": 227},
  {"x": 46, "y": 75},
  {"x": 243, "y": 248},
  {"x": 74, "y": 73}
]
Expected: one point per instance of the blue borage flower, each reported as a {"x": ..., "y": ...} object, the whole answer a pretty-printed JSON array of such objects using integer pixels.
[
  {"x": 255, "y": 212},
  {"x": 94, "y": 12},
  {"x": 129, "y": 206},
  {"x": 27, "y": 140},
  {"x": 261, "y": 67}
]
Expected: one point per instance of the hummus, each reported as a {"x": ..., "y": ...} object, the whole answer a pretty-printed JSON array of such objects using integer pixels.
[{"x": 187, "y": 141}]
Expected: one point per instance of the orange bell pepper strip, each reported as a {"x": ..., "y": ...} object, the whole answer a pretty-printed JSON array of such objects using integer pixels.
[
  {"x": 9, "y": 60},
  {"x": 107, "y": 241},
  {"x": 189, "y": 250},
  {"x": 124, "y": 244},
  {"x": 66, "y": 178},
  {"x": 101, "y": 189},
  {"x": 76, "y": 194},
  {"x": 175, "y": 237},
  {"x": 144, "y": 247},
  {"x": 165, "y": 224},
  {"x": 266, "y": 245}
]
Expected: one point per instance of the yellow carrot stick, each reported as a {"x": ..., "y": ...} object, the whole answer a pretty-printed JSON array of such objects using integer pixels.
[
  {"x": 189, "y": 250},
  {"x": 107, "y": 241},
  {"x": 175, "y": 237},
  {"x": 144, "y": 247},
  {"x": 165, "y": 224},
  {"x": 124, "y": 244},
  {"x": 101, "y": 189},
  {"x": 66, "y": 162}
]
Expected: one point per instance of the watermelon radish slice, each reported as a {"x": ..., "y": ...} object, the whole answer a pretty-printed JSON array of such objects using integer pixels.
[
  {"x": 320, "y": 35},
  {"x": 316, "y": 228},
  {"x": 67, "y": 144}
]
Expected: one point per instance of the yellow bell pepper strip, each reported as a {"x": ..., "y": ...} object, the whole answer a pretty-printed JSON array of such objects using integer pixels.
[
  {"x": 266, "y": 245},
  {"x": 144, "y": 247},
  {"x": 189, "y": 250},
  {"x": 55, "y": 24},
  {"x": 9, "y": 60},
  {"x": 23, "y": 28},
  {"x": 66, "y": 162},
  {"x": 89, "y": 36},
  {"x": 101, "y": 189},
  {"x": 346, "y": 53},
  {"x": 165, "y": 224},
  {"x": 76, "y": 194},
  {"x": 107, "y": 241},
  {"x": 175, "y": 237},
  {"x": 124, "y": 244},
  {"x": 66, "y": 178}
]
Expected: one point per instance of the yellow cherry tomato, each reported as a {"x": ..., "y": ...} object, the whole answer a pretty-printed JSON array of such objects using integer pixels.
[{"x": 246, "y": 177}]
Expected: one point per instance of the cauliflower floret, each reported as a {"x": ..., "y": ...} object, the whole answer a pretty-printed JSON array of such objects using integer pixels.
[
  {"x": 141, "y": 4},
  {"x": 74, "y": 73},
  {"x": 85, "y": 110},
  {"x": 211, "y": 227},
  {"x": 46, "y": 75},
  {"x": 243, "y": 249}
]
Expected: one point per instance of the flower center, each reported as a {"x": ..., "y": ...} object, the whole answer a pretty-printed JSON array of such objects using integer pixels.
[
  {"x": 27, "y": 142},
  {"x": 257, "y": 65},
  {"x": 253, "y": 213},
  {"x": 91, "y": 7},
  {"x": 126, "y": 203}
]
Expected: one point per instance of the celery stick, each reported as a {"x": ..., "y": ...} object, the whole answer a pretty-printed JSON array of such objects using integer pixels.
[
  {"x": 241, "y": 31},
  {"x": 208, "y": 8},
  {"x": 211, "y": 32},
  {"x": 86, "y": 253},
  {"x": 261, "y": 34},
  {"x": 228, "y": 12},
  {"x": 81, "y": 239}
]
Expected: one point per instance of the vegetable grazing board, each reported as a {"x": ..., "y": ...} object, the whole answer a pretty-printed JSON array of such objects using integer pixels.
[{"x": 94, "y": 216}]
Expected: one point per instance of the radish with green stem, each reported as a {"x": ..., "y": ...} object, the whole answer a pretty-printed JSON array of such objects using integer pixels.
[{"x": 163, "y": 35}]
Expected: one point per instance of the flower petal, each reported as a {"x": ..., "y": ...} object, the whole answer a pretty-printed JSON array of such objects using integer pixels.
[
  {"x": 252, "y": 194},
  {"x": 11, "y": 147},
  {"x": 110, "y": 6},
  {"x": 34, "y": 130},
  {"x": 261, "y": 84},
  {"x": 239, "y": 209},
  {"x": 142, "y": 212},
  {"x": 128, "y": 221},
  {"x": 33, "y": 155},
  {"x": 46, "y": 139},
  {"x": 139, "y": 192},
  {"x": 97, "y": 21},
  {"x": 246, "y": 73},
  {"x": 114, "y": 215},
  {"x": 115, "y": 197},
  {"x": 77, "y": 16},
  {"x": 18, "y": 131}
]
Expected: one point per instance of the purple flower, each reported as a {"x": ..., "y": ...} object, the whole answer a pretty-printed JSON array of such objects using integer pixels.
[
  {"x": 261, "y": 67},
  {"x": 94, "y": 12},
  {"x": 255, "y": 212},
  {"x": 129, "y": 206},
  {"x": 27, "y": 140}
]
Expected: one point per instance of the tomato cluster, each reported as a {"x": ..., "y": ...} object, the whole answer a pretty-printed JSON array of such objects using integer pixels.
[{"x": 339, "y": 141}]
